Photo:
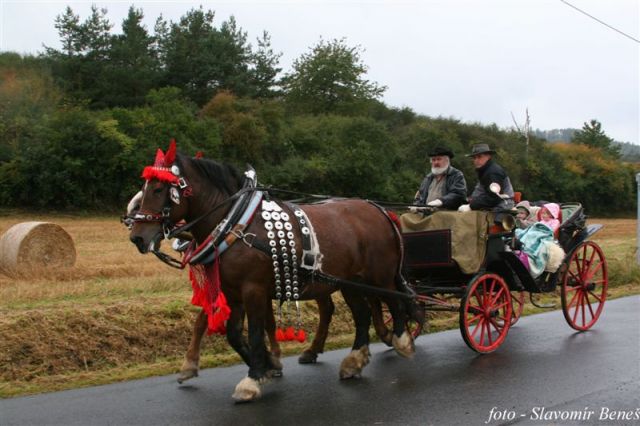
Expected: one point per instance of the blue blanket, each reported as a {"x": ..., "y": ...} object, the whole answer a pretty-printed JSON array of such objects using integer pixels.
[{"x": 534, "y": 240}]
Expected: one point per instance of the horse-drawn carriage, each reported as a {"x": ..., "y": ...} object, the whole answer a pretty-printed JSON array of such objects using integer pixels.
[
  {"x": 491, "y": 285},
  {"x": 249, "y": 248}
]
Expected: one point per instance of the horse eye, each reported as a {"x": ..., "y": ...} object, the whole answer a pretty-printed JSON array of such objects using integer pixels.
[{"x": 158, "y": 190}]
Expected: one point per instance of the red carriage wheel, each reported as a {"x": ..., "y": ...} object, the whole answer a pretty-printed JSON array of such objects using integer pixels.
[
  {"x": 413, "y": 327},
  {"x": 584, "y": 286},
  {"x": 485, "y": 313},
  {"x": 517, "y": 305}
]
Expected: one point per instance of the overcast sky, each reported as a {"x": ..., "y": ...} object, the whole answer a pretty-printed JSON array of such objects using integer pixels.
[{"x": 474, "y": 60}]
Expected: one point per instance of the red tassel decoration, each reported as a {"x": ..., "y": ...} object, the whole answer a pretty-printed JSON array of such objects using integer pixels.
[
  {"x": 301, "y": 336},
  {"x": 279, "y": 335},
  {"x": 290, "y": 334}
]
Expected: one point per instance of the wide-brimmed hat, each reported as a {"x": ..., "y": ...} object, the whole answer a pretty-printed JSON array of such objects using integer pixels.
[
  {"x": 480, "y": 148},
  {"x": 440, "y": 150}
]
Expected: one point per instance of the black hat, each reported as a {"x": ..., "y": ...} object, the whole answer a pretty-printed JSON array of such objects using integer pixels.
[
  {"x": 439, "y": 150},
  {"x": 480, "y": 148}
]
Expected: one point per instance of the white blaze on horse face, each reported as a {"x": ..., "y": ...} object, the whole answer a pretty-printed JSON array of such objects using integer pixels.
[{"x": 135, "y": 203}]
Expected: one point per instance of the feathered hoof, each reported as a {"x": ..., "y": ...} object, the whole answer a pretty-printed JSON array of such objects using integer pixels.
[
  {"x": 404, "y": 345},
  {"x": 247, "y": 390},
  {"x": 189, "y": 370},
  {"x": 307, "y": 357},
  {"x": 352, "y": 365}
]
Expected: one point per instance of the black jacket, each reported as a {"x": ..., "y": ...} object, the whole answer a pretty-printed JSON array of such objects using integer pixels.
[
  {"x": 482, "y": 198},
  {"x": 455, "y": 189}
]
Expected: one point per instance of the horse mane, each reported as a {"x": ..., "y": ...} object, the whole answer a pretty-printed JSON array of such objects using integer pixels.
[{"x": 225, "y": 177}]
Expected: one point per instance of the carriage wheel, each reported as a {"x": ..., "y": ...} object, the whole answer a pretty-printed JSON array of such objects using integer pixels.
[
  {"x": 517, "y": 305},
  {"x": 584, "y": 286},
  {"x": 413, "y": 327},
  {"x": 485, "y": 313}
]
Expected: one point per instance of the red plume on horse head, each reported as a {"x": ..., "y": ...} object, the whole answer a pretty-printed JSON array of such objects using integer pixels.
[{"x": 161, "y": 169}]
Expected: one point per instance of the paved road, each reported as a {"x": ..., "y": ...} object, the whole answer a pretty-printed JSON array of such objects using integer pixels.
[{"x": 543, "y": 365}]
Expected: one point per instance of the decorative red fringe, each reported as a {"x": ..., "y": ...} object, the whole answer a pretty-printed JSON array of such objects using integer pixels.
[
  {"x": 205, "y": 281},
  {"x": 161, "y": 174}
]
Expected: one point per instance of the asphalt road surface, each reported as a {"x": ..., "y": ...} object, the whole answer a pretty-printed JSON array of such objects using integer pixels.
[{"x": 544, "y": 374}]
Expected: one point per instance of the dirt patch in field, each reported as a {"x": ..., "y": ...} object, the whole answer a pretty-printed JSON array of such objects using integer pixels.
[{"x": 55, "y": 341}]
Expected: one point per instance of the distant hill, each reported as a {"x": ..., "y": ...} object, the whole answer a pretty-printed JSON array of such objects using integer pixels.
[{"x": 628, "y": 151}]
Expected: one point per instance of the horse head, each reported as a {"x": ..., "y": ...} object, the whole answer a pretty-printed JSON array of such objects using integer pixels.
[{"x": 162, "y": 202}]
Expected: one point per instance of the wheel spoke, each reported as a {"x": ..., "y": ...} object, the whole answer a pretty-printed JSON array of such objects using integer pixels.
[
  {"x": 475, "y": 329},
  {"x": 582, "y": 309},
  {"x": 475, "y": 318},
  {"x": 498, "y": 294},
  {"x": 586, "y": 297},
  {"x": 488, "y": 333},
  {"x": 596, "y": 296},
  {"x": 570, "y": 304},
  {"x": 576, "y": 309}
]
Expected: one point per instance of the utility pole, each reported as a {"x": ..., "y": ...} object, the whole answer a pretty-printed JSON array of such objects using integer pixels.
[{"x": 638, "y": 222}]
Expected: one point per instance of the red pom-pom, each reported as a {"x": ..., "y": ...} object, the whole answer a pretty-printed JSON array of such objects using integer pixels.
[
  {"x": 290, "y": 334},
  {"x": 301, "y": 336},
  {"x": 279, "y": 335}
]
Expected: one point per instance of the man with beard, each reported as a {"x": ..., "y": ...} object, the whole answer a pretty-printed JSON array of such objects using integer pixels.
[{"x": 445, "y": 187}]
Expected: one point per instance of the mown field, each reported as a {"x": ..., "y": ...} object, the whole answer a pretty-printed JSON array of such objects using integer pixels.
[{"x": 118, "y": 315}]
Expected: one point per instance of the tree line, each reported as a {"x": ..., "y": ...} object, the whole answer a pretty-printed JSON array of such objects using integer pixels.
[{"x": 78, "y": 124}]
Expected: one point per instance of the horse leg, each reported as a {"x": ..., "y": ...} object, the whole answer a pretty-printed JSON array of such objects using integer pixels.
[
  {"x": 382, "y": 331},
  {"x": 248, "y": 389},
  {"x": 191, "y": 362},
  {"x": 402, "y": 340},
  {"x": 358, "y": 358},
  {"x": 274, "y": 353},
  {"x": 325, "y": 311},
  {"x": 234, "y": 332}
]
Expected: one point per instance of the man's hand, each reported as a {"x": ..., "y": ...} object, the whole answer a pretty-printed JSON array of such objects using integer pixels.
[
  {"x": 464, "y": 208},
  {"x": 434, "y": 203}
]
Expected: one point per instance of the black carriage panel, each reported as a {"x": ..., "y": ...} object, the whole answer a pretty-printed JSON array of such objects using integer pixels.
[{"x": 428, "y": 249}]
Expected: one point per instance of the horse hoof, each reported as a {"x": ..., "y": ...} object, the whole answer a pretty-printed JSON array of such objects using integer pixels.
[
  {"x": 351, "y": 367},
  {"x": 247, "y": 390},
  {"x": 189, "y": 370},
  {"x": 186, "y": 375},
  {"x": 307, "y": 357},
  {"x": 404, "y": 345}
]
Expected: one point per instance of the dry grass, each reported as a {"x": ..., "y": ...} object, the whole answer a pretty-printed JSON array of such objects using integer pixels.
[{"x": 118, "y": 315}]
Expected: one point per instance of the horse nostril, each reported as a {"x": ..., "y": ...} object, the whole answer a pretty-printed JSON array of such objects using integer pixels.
[{"x": 139, "y": 242}]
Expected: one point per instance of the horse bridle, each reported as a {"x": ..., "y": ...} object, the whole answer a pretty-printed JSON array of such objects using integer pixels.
[{"x": 169, "y": 229}]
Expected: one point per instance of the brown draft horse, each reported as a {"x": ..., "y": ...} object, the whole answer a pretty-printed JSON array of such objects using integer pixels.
[{"x": 356, "y": 239}]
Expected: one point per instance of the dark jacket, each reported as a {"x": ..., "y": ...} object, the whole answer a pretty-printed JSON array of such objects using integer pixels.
[
  {"x": 482, "y": 198},
  {"x": 455, "y": 189}
]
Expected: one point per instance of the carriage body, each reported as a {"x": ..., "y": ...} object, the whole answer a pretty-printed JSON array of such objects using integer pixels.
[{"x": 492, "y": 295}]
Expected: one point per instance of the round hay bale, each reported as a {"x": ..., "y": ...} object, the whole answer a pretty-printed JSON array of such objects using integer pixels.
[{"x": 29, "y": 247}]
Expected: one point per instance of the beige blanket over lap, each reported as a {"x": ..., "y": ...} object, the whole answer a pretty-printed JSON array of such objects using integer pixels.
[{"x": 468, "y": 233}]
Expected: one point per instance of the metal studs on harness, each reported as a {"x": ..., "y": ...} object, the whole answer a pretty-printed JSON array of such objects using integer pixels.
[{"x": 284, "y": 258}]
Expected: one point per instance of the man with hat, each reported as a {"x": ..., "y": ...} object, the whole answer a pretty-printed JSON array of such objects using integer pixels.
[
  {"x": 445, "y": 186},
  {"x": 493, "y": 190}
]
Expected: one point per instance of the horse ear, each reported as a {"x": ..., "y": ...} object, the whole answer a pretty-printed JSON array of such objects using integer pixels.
[
  {"x": 170, "y": 156},
  {"x": 159, "y": 158}
]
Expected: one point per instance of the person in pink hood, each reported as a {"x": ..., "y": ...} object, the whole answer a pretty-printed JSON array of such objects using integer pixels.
[{"x": 549, "y": 215}]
